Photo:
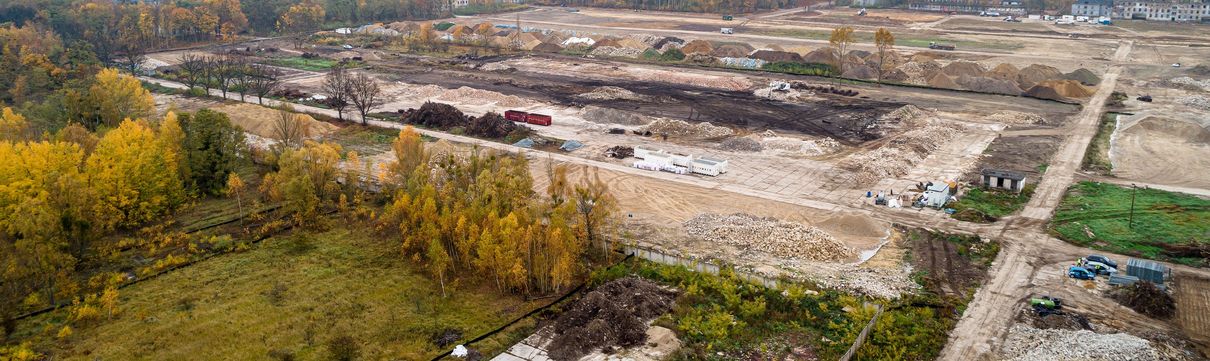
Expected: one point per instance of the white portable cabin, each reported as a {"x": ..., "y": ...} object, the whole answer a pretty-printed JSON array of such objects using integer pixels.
[
  {"x": 681, "y": 160},
  {"x": 706, "y": 167}
]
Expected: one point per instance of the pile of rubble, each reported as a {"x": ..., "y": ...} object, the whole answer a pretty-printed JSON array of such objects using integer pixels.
[
  {"x": 799, "y": 147},
  {"x": 468, "y": 95},
  {"x": 897, "y": 158},
  {"x": 683, "y": 129},
  {"x": 604, "y": 115},
  {"x": 611, "y": 93},
  {"x": 619, "y": 52},
  {"x": 742, "y": 144},
  {"x": 615, "y": 314},
  {"x": 781, "y": 239},
  {"x": 1014, "y": 117},
  {"x": 1184, "y": 80},
  {"x": 1196, "y": 101},
  {"x": 1028, "y": 343}
]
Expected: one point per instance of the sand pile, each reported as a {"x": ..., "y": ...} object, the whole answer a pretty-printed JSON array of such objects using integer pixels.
[
  {"x": 801, "y": 50},
  {"x": 1014, "y": 117},
  {"x": 860, "y": 72},
  {"x": 1084, "y": 76},
  {"x": 1035, "y": 73},
  {"x": 531, "y": 45},
  {"x": 607, "y": 42},
  {"x": 772, "y": 236},
  {"x": 943, "y": 81},
  {"x": 774, "y": 47},
  {"x": 821, "y": 56},
  {"x": 259, "y": 120},
  {"x": 472, "y": 96},
  {"x": 963, "y": 68},
  {"x": 633, "y": 44},
  {"x": 989, "y": 85},
  {"x": 683, "y": 129},
  {"x": 415, "y": 92},
  {"x": 547, "y": 48},
  {"x": 698, "y": 47},
  {"x": 926, "y": 56},
  {"x": 611, "y": 93},
  {"x": 603, "y": 115},
  {"x": 1004, "y": 71},
  {"x": 774, "y": 56},
  {"x": 1060, "y": 89},
  {"x": 614, "y": 314}
]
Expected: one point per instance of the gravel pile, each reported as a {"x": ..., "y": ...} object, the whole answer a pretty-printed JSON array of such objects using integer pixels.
[
  {"x": 1196, "y": 101},
  {"x": 799, "y": 147},
  {"x": 769, "y": 235},
  {"x": 618, "y": 52},
  {"x": 1028, "y": 343},
  {"x": 1014, "y": 117},
  {"x": 468, "y": 95},
  {"x": 1184, "y": 80},
  {"x": 602, "y": 115},
  {"x": 681, "y": 128},
  {"x": 897, "y": 158},
  {"x": 611, "y": 93},
  {"x": 741, "y": 144}
]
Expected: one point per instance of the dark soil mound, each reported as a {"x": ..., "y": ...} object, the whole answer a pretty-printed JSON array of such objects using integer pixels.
[
  {"x": 1084, "y": 76},
  {"x": 671, "y": 39},
  {"x": 860, "y": 72},
  {"x": 614, "y": 314},
  {"x": 1045, "y": 92},
  {"x": 490, "y": 125},
  {"x": 1145, "y": 298},
  {"x": 547, "y": 48},
  {"x": 895, "y": 75},
  {"x": 437, "y": 115},
  {"x": 821, "y": 56},
  {"x": 730, "y": 51},
  {"x": 962, "y": 68},
  {"x": 774, "y": 56}
]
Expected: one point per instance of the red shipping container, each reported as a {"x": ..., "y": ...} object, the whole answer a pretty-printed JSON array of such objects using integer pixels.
[
  {"x": 514, "y": 115},
  {"x": 538, "y": 119}
]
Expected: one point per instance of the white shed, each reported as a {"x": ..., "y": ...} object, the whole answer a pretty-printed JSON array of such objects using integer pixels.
[{"x": 708, "y": 167}]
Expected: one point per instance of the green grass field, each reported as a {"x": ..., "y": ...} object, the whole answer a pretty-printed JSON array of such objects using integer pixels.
[
  {"x": 985, "y": 206},
  {"x": 289, "y": 294},
  {"x": 1097, "y": 215},
  {"x": 318, "y": 64}
]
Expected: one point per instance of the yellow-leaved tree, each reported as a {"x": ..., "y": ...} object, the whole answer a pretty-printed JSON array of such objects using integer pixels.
[
  {"x": 115, "y": 97},
  {"x": 134, "y": 173},
  {"x": 12, "y": 125},
  {"x": 305, "y": 180}
]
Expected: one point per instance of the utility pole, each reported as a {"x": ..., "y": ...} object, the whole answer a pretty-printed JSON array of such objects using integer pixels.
[{"x": 1133, "y": 189}]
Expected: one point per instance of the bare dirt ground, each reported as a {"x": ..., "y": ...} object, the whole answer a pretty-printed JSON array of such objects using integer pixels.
[
  {"x": 1158, "y": 142},
  {"x": 1193, "y": 308}
]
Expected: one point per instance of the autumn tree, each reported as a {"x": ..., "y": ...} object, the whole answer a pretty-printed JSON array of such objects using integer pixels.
[
  {"x": 263, "y": 80},
  {"x": 134, "y": 176},
  {"x": 13, "y": 126},
  {"x": 299, "y": 21},
  {"x": 289, "y": 130},
  {"x": 134, "y": 37},
  {"x": 840, "y": 40},
  {"x": 235, "y": 188},
  {"x": 305, "y": 180},
  {"x": 192, "y": 70},
  {"x": 338, "y": 86},
  {"x": 212, "y": 147},
  {"x": 116, "y": 97},
  {"x": 365, "y": 94},
  {"x": 885, "y": 42}
]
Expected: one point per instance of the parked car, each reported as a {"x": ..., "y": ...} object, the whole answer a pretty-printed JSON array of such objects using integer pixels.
[
  {"x": 1099, "y": 268},
  {"x": 347, "y": 47},
  {"x": 1081, "y": 273},
  {"x": 1103, "y": 260}
]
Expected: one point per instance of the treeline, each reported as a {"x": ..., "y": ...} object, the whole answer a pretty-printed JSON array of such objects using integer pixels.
[
  {"x": 698, "y": 6},
  {"x": 64, "y": 193}
]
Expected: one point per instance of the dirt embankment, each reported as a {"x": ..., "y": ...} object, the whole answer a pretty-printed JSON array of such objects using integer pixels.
[{"x": 1162, "y": 151}]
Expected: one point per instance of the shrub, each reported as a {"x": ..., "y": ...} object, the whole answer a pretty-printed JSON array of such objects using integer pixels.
[
  {"x": 815, "y": 69},
  {"x": 672, "y": 55},
  {"x": 1145, "y": 298},
  {"x": 344, "y": 348}
]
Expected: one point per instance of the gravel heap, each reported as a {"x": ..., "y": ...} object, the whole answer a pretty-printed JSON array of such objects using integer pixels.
[
  {"x": 468, "y": 95},
  {"x": 897, "y": 158},
  {"x": 799, "y": 147},
  {"x": 741, "y": 144},
  {"x": 604, "y": 115},
  {"x": 1184, "y": 80},
  {"x": 681, "y": 128},
  {"x": 617, "y": 51},
  {"x": 1196, "y": 101},
  {"x": 1014, "y": 117},
  {"x": 778, "y": 238},
  {"x": 611, "y": 93},
  {"x": 1028, "y": 343}
]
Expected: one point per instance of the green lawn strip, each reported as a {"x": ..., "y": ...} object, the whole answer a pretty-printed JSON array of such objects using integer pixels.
[
  {"x": 1096, "y": 158},
  {"x": 316, "y": 64},
  {"x": 988, "y": 205},
  {"x": 900, "y": 39},
  {"x": 289, "y": 294},
  {"x": 1097, "y": 215}
]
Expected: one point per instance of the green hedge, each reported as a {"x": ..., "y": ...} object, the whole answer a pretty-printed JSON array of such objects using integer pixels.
[{"x": 816, "y": 69}]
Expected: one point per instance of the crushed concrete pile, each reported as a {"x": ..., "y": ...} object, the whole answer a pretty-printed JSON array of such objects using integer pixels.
[
  {"x": 649, "y": 40},
  {"x": 611, "y": 93},
  {"x": 1196, "y": 101},
  {"x": 682, "y": 129},
  {"x": 989, "y": 85},
  {"x": 919, "y": 73},
  {"x": 604, "y": 115},
  {"x": 907, "y": 114},
  {"x": 259, "y": 120},
  {"x": 472, "y": 96},
  {"x": 1027, "y": 343},
  {"x": 741, "y": 144},
  {"x": 670, "y": 42},
  {"x": 1015, "y": 117},
  {"x": 1187, "y": 81},
  {"x": 415, "y": 92},
  {"x": 614, "y": 314},
  {"x": 896, "y": 76},
  {"x": 779, "y": 238},
  {"x": 799, "y": 147},
  {"x": 898, "y": 157},
  {"x": 617, "y": 52}
]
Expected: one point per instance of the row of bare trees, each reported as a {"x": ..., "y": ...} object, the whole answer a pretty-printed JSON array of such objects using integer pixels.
[
  {"x": 229, "y": 74},
  {"x": 345, "y": 88}
]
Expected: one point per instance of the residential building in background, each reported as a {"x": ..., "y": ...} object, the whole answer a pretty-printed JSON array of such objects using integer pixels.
[
  {"x": 1092, "y": 8},
  {"x": 1163, "y": 10}
]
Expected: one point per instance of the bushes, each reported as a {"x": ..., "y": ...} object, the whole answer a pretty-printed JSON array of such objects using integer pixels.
[
  {"x": 987, "y": 205},
  {"x": 815, "y": 69},
  {"x": 672, "y": 55},
  {"x": 1145, "y": 298},
  {"x": 344, "y": 348}
]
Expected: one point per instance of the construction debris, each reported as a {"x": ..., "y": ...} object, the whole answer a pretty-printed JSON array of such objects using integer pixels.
[
  {"x": 683, "y": 129},
  {"x": 468, "y": 95},
  {"x": 619, "y": 152},
  {"x": 1028, "y": 343},
  {"x": 604, "y": 115},
  {"x": 778, "y": 238},
  {"x": 741, "y": 144},
  {"x": 1187, "y": 81},
  {"x": 613, "y": 315},
  {"x": 1015, "y": 117},
  {"x": 1196, "y": 101},
  {"x": 611, "y": 93}
]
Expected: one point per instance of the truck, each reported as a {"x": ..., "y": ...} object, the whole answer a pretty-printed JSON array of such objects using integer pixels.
[
  {"x": 727, "y": 30},
  {"x": 528, "y": 118},
  {"x": 937, "y": 46}
]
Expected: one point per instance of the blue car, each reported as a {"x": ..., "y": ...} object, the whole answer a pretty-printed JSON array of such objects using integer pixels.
[{"x": 1082, "y": 273}]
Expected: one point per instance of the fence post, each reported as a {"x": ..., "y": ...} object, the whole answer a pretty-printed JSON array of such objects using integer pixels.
[{"x": 861, "y": 337}]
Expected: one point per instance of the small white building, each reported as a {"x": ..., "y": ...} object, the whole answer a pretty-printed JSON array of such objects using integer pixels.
[
  {"x": 707, "y": 166},
  {"x": 1003, "y": 179},
  {"x": 936, "y": 195},
  {"x": 671, "y": 161}
]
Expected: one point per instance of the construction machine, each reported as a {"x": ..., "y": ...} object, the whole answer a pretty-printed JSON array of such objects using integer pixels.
[{"x": 1046, "y": 305}]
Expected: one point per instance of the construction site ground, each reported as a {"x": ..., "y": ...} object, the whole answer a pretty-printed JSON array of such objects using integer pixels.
[{"x": 812, "y": 189}]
